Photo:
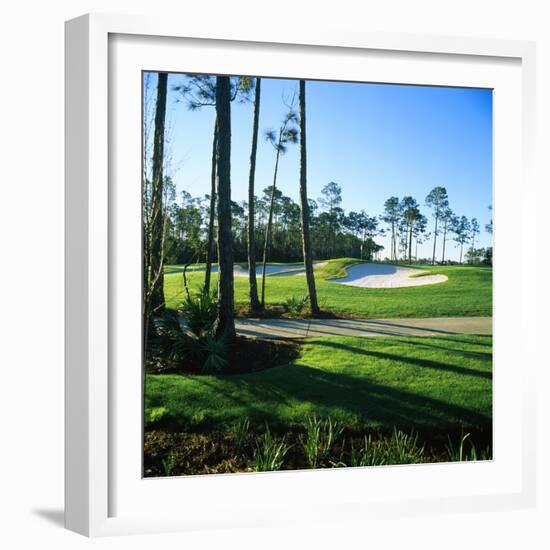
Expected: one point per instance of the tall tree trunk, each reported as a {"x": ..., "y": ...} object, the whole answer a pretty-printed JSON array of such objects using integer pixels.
[
  {"x": 156, "y": 275},
  {"x": 393, "y": 248},
  {"x": 254, "y": 301},
  {"x": 269, "y": 222},
  {"x": 461, "y": 244},
  {"x": 435, "y": 240},
  {"x": 410, "y": 243},
  {"x": 304, "y": 205},
  {"x": 225, "y": 322},
  {"x": 444, "y": 241},
  {"x": 210, "y": 250}
]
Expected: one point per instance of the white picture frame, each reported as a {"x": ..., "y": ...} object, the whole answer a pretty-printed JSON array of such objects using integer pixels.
[{"x": 93, "y": 404}]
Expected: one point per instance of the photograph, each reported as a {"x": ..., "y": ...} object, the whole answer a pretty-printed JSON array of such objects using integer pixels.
[{"x": 317, "y": 274}]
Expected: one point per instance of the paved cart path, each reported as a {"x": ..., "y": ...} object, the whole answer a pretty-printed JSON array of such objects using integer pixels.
[{"x": 302, "y": 328}]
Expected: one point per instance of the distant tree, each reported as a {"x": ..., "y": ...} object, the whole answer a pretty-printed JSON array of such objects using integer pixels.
[
  {"x": 438, "y": 201},
  {"x": 287, "y": 134},
  {"x": 391, "y": 216},
  {"x": 419, "y": 232},
  {"x": 411, "y": 213},
  {"x": 489, "y": 226},
  {"x": 304, "y": 205},
  {"x": 225, "y": 323},
  {"x": 368, "y": 227},
  {"x": 461, "y": 229},
  {"x": 254, "y": 301},
  {"x": 474, "y": 231},
  {"x": 446, "y": 218},
  {"x": 330, "y": 200}
]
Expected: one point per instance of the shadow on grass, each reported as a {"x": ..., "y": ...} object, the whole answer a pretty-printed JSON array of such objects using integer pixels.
[
  {"x": 285, "y": 395},
  {"x": 410, "y": 360}
]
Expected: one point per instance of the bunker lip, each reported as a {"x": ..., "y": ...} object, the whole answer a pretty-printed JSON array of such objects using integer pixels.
[{"x": 369, "y": 275}]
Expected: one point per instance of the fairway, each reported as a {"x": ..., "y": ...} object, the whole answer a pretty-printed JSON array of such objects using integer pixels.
[
  {"x": 467, "y": 293},
  {"x": 437, "y": 383}
]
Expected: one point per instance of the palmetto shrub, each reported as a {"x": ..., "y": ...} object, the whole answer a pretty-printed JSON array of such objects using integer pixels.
[
  {"x": 295, "y": 306},
  {"x": 200, "y": 313},
  {"x": 189, "y": 348}
]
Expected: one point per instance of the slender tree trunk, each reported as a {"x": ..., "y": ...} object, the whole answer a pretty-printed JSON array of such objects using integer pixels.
[
  {"x": 210, "y": 248},
  {"x": 156, "y": 275},
  {"x": 410, "y": 243},
  {"x": 444, "y": 241},
  {"x": 435, "y": 240},
  {"x": 461, "y": 244},
  {"x": 269, "y": 222},
  {"x": 254, "y": 302},
  {"x": 225, "y": 322},
  {"x": 393, "y": 249},
  {"x": 304, "y": 205}
]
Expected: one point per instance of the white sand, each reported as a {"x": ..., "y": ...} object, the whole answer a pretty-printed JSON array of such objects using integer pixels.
[{"x": 386, "y": 276}]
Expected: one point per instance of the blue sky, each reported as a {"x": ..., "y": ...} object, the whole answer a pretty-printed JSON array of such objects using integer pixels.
[{"x": 375, "y": 140}]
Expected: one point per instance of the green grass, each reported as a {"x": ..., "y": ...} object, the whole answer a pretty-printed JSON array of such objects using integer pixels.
[
  {"x": 468, "y": 292},
  {"x": 441, "y": 382}
]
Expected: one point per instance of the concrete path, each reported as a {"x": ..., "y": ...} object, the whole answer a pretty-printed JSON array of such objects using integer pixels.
[{"x": 302, "y": 328}]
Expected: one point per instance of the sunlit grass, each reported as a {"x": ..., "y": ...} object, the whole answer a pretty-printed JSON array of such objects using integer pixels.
[
  {"x": 439, "y": 382},
  {"x": 468, "y": 292}
]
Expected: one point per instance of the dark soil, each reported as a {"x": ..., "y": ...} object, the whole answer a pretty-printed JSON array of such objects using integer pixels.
[{"x": 175, "y": 453}]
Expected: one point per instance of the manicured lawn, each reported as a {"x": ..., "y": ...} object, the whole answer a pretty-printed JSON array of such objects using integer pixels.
[
  {"x": 422, "y": 383},
  {"x": 468, "y": 292}
]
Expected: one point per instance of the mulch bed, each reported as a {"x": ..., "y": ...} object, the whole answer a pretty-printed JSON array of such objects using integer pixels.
[{"x": 245, "y": 355}]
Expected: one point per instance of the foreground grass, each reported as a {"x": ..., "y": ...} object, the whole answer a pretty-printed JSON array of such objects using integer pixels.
[
  {"x": 467, "y": 293},
  {"x": 434, "y": 383}
]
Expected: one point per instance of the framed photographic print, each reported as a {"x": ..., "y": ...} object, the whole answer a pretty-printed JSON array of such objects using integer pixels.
[{"x": 285, "y": 297}]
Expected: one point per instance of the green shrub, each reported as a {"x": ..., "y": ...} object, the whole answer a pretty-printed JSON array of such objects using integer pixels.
[
  {"x": 215, "y": 351},
  {"x": 200, "y": 313},
  {"x": 295, "y": 306},
  {"x": 174, "y": 343}
]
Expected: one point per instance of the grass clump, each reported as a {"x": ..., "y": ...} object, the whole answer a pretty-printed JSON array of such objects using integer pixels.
[
  {"x": 269, "y": 453},
  {"x": 466, "y": 450},
  {"x": 320, "y": 438}
]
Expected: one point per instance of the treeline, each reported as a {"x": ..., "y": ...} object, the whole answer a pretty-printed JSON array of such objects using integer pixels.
[
  {"x": 407, "y": 228},
  {"x": 334, "y": 233}
]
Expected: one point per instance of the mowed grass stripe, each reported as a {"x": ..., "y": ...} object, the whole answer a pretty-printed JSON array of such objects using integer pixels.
[
  {"x": 421, "y": 382},
  {"x": 467, "y": 293}
]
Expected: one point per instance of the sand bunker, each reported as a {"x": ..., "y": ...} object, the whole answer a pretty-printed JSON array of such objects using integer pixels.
[{"x": 386, "y": 276}]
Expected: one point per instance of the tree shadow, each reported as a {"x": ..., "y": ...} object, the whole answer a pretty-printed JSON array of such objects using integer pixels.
[{"x": 428, "y": 363}]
